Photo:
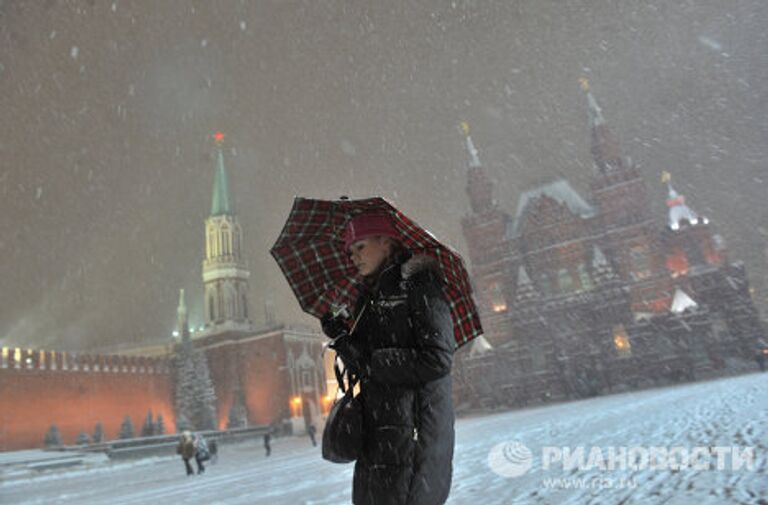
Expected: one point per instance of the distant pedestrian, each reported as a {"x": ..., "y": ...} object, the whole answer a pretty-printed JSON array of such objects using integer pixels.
[
  {"x": 760, "y": 358},
  {"x": 267, "y": 439},
  {"x": 311, "y": 432},
  {"x": 213, "y": 448},
  {"x": 201, "y": 453},
  {"x": 186, "y": 449}
]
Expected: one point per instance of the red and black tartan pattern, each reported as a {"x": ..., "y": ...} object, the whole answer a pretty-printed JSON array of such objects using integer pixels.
[{"x": 310, "y": 252}]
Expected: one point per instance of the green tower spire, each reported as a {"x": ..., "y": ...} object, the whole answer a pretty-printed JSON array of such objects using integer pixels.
[{"x": 222, "y": 203}]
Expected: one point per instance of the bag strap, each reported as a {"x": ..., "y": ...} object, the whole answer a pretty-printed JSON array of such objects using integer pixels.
[{"x": 352, "y": 380}]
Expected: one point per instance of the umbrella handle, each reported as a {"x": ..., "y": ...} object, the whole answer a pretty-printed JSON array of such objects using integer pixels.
[
  {"x": 354, "y": 325},
  {"x": 357, "y": 319}
]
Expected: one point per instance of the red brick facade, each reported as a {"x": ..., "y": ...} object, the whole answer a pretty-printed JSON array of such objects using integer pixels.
[
  {"x": 39, "y": 389},
  {"x": 580, "y": 296},
  {"x": 279, "y": 375}
]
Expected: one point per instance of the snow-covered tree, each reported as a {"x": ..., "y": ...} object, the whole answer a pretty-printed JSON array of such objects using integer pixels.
[
  {"x": 83, "y": 439},
  {"x": 126, "y": 429},
  {"x": 237, "y": 412},
  {"x": 98, "y": 433},
  {"x": 149, "y": 426},
  {"x": 53, "y": 437},
  {"x": 195, "y": 396},
  {"x": 159, "y": 425}
]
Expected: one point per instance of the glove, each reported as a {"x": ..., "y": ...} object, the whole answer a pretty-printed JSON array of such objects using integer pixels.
[
  {"x": 333, "y": 327},
  {"x": 350, "y": 354}
]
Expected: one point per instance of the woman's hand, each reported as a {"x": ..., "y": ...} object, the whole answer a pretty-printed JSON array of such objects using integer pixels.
[
  {"x": 333, "y": 327},
  {"x": 350, "y": 354}
]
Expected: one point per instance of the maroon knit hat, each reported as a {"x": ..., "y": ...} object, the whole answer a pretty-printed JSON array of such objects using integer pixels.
[{"x": 368, "y": 225}]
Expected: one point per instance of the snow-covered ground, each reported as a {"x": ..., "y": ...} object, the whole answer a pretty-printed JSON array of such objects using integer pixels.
[{"x": 727, "y": 412}]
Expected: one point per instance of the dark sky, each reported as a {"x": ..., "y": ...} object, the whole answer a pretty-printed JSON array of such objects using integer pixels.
[{"x": 107, "y": 109}]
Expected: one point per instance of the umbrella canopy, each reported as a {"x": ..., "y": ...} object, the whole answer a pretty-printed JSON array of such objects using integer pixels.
[{"x": 310, "y": 252}]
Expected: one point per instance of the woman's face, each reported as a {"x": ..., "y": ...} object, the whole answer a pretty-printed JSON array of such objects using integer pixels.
[{"x": 368, "y": 253}]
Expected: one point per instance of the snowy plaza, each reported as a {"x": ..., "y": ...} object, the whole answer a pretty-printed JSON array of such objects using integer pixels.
[
  {"x": 726, "y": 412},
  {"x": 507, "y": 252}
]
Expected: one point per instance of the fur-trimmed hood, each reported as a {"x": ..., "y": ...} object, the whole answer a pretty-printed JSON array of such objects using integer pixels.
[
  {"x": 419, "y": 263},
  {"x": 410, "y": 265}
]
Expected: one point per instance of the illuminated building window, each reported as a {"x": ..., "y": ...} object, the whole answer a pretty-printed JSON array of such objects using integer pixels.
[
  {"x": 565, "y": 280},
  {"x": 639, "y": 262},
  {"x": 498, "y": 301},
  {"x": 621, "y": 341}
]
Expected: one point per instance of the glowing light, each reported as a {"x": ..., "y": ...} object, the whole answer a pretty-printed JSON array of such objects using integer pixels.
[
  {"x": 218, "y": 137},
  {"x": 175, "y": 333},
  {"x": 621, "y": 340},
  {"x": 499, "y": 307},
  {"x": 296, "y": 400}
]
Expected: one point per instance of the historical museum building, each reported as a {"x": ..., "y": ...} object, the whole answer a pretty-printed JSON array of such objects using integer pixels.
[{"x": 582, "y": 295}]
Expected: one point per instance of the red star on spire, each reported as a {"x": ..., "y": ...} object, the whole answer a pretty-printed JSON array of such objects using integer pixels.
[{"x": 218, "y": 137}]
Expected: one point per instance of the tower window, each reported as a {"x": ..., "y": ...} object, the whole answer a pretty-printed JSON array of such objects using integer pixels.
[
  {"x": 586, "y": 281},
  {"x": 546, "y": 288},
  {"x": 306, "y": 379},
  {"x": 639, "y": 262},
  {"x": 538, "y": 359}
]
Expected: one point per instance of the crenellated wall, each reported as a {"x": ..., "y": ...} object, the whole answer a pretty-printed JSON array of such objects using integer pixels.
[{"x": 75, "y": 391}]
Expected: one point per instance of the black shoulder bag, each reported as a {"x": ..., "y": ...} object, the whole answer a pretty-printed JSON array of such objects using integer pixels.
[{"x": 343, "y": 432}]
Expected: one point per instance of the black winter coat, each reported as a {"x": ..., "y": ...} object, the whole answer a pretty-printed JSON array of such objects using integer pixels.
[{"x": 406, "y": 338}]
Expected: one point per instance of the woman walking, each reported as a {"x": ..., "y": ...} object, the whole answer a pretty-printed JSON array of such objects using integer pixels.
[{"x": 402, "y": 348}]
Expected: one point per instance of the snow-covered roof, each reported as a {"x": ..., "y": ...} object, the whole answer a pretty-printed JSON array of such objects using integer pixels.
[
  {"x": 595, "y": 112},
  {"x": 719, "y": 241},
  {"x": 598, "y": 258},
  {"x": 474, "y": 156},
  {"x": 681, "y": 302},
  {"x": 560, "y": 191},
  {"x": 522, "y": 276},
  {"x": 679, "y": 211},
  {"x": 643, "y": 316},
  {"x": 480, "y": 346}
]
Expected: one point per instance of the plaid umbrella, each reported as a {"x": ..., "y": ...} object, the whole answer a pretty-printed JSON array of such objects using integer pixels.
[{"x": 310, "y": 252}]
